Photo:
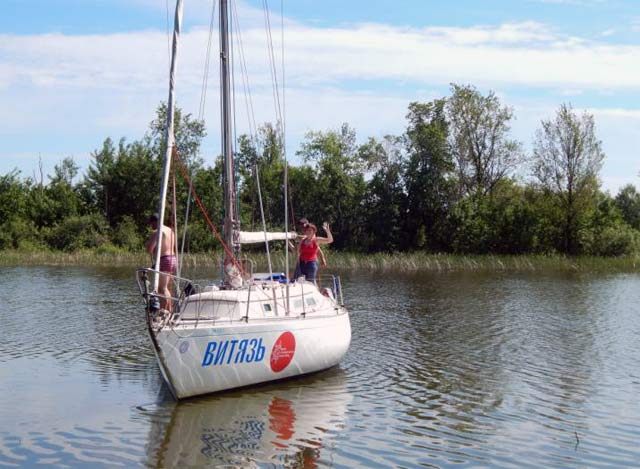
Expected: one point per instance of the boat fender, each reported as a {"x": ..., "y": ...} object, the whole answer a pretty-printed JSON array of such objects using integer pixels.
[
  {"x": 189, "y": 289},
  {"x": 328, "y": 293},
  {"x": 154, "y": 303}
]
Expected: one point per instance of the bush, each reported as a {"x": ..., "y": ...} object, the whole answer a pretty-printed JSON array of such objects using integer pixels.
[
  {"x": 108, "y": 248},
  {"x": 18, "y": 233},
  {"x": 78, "y": 232},
  {"x": 473, "y": 233},
  {"x": 126, "y": 236},
  {"x": 617, "y": 240},
  {"x": 199, "y": 238}
]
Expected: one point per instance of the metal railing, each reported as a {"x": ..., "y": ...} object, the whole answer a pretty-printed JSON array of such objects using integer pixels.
[
  {"x": 181, "y": 288},
  {"x": 333, "y": 284}
]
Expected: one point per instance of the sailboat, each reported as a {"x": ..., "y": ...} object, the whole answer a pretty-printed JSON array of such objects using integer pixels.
[{"x": 248, "y": 328}]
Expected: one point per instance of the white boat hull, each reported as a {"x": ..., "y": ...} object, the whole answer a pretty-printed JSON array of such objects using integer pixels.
[{"x": 208, "y": 358}]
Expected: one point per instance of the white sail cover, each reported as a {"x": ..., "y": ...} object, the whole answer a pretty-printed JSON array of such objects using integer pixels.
[{"x": 250, "y": 237}]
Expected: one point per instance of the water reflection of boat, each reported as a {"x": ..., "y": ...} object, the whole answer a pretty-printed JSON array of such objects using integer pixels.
[{"x": 290, "y": 423}]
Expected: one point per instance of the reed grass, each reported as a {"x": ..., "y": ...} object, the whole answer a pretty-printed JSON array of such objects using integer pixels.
[
  {"x": 408, "y": 262},
  {"x": 420, "y": 262},
  {"x": 95, "y": 257}
]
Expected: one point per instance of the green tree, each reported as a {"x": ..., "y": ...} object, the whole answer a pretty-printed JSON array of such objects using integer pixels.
[
  {"x": 567, "y": 158},
  {"x": 340, "y": 185},
  {"x": 605, "y": 232},
  {"x": 13, "y": 197},
  {"x": 512, "y": 221},
  {"x": 79, "y": 232},
  {"x": 65, "y": 172},
  {"x": 471, "y": 225},
  {"x": 628, "y": 202},
  {"x": 547, "y": 211},
  {"x": 302, "y": 202},
  {"x": 127, "y": 235},
  {"x": 429, "y": 182},
  {"x": 188, "y": 133},
  {"x": 207, "y": 182},
  {"x": 479, "y": 137},
  {"x": 64, "y": 197},
  {"x": 16, "y": 227},
  {"x": 385, "y": 202},
  {"x": 97, "y": 184},
  {"x": 262, "y": 158},
  {"x": 124, "y": 181},
  {"x": 49, "y": 204}
]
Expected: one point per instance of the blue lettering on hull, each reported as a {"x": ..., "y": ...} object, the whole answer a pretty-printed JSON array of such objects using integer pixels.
[{"x": 226, "y": 352}]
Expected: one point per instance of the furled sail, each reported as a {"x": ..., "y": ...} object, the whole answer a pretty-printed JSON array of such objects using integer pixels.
[{"x": 251, "y": 237}]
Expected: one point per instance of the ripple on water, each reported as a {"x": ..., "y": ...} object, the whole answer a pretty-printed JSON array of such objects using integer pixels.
[
  {"x": 495, "y": 370},
  {"x": 76, "y": 317},
  {"x": 520, "y": 370}
]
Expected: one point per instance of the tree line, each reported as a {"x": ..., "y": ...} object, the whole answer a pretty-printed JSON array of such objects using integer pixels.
[{"x": 454, "y": 182}]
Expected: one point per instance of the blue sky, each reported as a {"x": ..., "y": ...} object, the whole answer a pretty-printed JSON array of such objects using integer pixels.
[{"x": 73, "y": 72}]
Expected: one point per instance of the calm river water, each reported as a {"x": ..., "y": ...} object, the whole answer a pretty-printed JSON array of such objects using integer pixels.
[{"x": 444, "y": 370}]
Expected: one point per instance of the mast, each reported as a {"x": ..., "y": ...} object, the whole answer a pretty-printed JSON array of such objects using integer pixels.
[
  {"x": 230, "y": 221},
  {"x": 169, "y": 137}
]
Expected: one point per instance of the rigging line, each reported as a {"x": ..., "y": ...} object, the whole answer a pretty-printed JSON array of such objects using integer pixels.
[
  {"x": 169, "y": 136},
  {"x": 203, "y": 209},
  {"x": 272, "y": 67},
  {"x": 284, "y": 76},
  {"x": 232, "y": 77},
  {"x": 174, "y": 155},
  {"x": 264, "y": 223},
  {"x": 244, "y": 75},
  {"x": 201, "y": 110},
  {"x": 253, "y": 132},
  {"x": 245, "y": 81},
  {"x": 236, "y": 169},
  {"x": 168, "y": 30},
  {"x": 205, "y": 77},
  {"x": 220, "y": 77},
  {"x": 283, "y": 145},
  {"x": 174, "y": 214},
  {"x": 184, "y": 231}
]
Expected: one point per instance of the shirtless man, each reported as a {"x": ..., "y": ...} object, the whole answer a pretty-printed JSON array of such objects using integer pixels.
[{"x": 168, "y": 260}]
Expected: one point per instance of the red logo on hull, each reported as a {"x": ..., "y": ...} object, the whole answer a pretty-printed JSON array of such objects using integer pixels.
[{"x": 282, "y": 352}]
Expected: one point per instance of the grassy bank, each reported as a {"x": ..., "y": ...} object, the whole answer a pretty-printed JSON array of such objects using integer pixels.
[{"x": 414, "y": 262}]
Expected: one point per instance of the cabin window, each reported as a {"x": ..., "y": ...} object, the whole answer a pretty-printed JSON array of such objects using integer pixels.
[
  {"x": 311, "y": 301},
  {"x": 266, "y": 307},
  {"x": 297, "y": 304}
]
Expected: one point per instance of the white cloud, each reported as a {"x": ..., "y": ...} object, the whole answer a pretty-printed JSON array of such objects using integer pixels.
[
  {"x": 616, "y": 113},
  {"x": 528, "y": 32},
  {"x": 519, "y": 56},
  {"x": 525, "y": 54},
  {"x": 85, "y": 88}
]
